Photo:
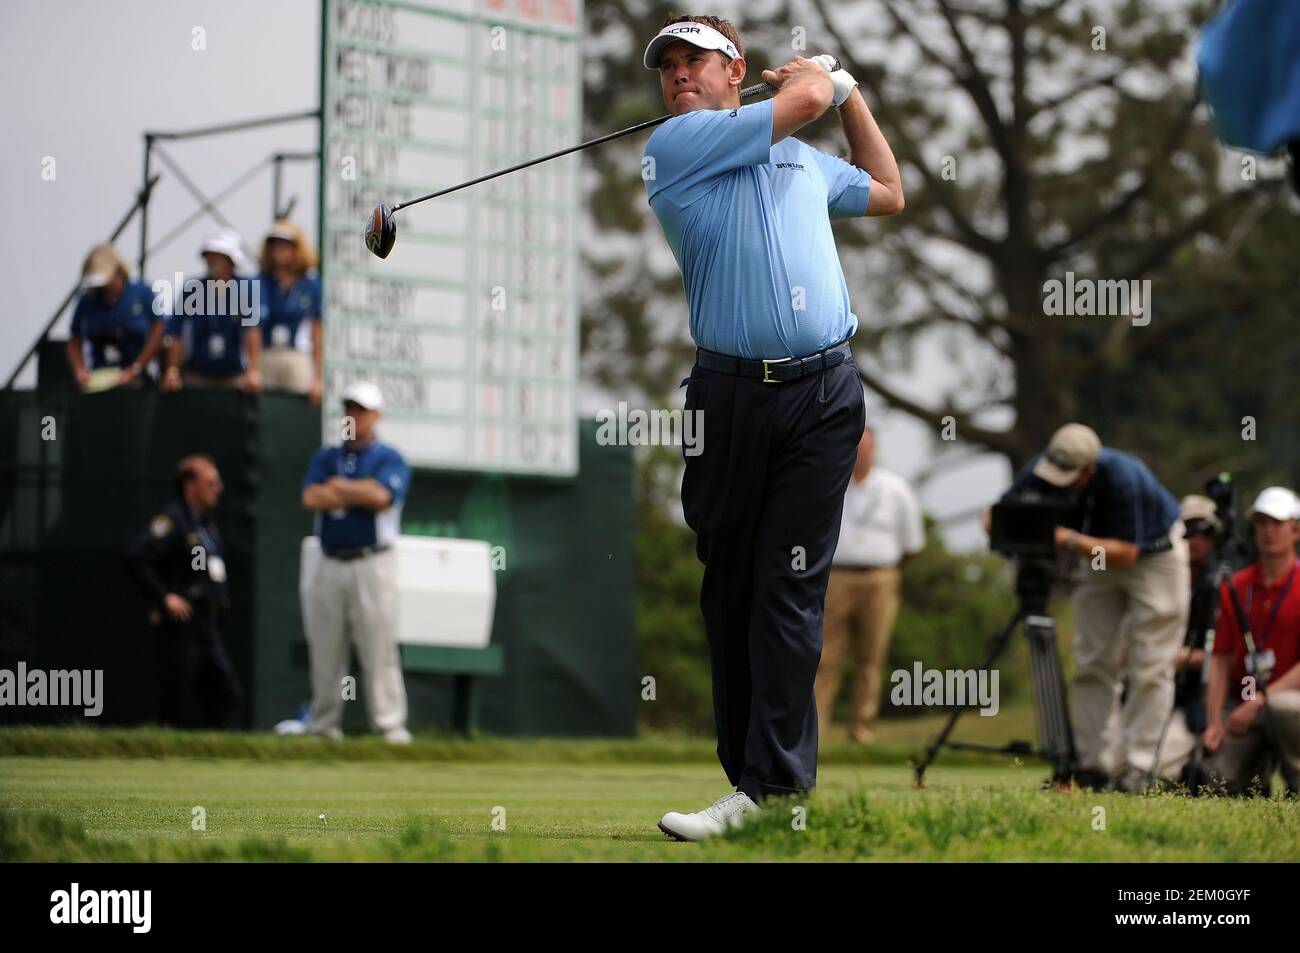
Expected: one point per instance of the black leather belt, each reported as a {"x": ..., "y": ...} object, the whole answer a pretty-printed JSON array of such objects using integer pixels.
[
  {"x": 1162, "y": 546},
  {"x": 347, "y": 555},
  {"x": 778, "y": 371}
]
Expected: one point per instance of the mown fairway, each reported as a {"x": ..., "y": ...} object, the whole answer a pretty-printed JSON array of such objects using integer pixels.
[{"x": 434, "y": 800}]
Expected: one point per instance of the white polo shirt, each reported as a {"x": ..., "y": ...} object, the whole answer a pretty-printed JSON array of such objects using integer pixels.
[{"x": 881, "y": 521}]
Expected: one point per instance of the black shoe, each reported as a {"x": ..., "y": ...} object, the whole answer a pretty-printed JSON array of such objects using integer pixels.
[{"x": 1091, "y": 779}]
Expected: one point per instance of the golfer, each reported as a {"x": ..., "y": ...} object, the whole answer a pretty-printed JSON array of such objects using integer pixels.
[{"x": 746, "y": 209}]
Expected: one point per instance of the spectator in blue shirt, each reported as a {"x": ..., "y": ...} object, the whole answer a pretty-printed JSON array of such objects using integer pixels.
[
  {"x": 292, "y": 344},
  {"x": 1130, "y": 610},
  {"x": 116, "y": 330},
  {"x": 214, "y": 339},
  {"x": 356, "y": 490}
]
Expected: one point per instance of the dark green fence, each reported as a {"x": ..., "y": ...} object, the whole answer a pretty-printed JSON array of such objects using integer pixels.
[{"x": 79, "y": 475}]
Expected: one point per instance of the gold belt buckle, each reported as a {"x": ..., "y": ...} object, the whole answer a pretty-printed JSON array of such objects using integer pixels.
[{"x": 767, "y": 371}]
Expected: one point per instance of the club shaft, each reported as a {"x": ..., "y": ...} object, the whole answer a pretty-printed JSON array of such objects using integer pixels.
[{"x": 757, "y": 89}]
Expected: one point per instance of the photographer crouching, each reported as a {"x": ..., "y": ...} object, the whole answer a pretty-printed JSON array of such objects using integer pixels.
[
  {"x": 1252, "y": 701},
  {"x": 1131, "y": 606}
]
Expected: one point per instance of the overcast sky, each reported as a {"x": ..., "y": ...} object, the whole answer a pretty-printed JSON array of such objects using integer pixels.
[{"x": 84, "y": 79}]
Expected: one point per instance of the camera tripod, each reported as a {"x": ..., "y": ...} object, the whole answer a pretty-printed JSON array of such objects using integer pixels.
[{"x": 1055, "y": 736}]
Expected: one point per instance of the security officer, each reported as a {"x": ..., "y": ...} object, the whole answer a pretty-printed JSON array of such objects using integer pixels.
[
  {"x": 180, "y": 564},
  {"x": 116, "y": 330},
  {"x": 745, "y": 208},
  {"x": 356, "y": 490}
]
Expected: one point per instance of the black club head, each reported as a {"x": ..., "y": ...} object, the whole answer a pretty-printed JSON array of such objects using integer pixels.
[{"x": 381, "y": 231}]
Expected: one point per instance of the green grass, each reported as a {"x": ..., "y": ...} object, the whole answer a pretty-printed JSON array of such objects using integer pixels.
[
  {"x": 584, "y": 801},
  {"x": 898, "y": 739}
]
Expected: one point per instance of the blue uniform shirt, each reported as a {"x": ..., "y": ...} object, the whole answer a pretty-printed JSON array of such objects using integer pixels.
[
  {"x": 1123, "y": 500},
  {"x": 115, "y": 334},
  {"x": 214, "y": 333},
  {"x": 749, "y": 225},
  {"x": 290, "y": 312},
  {"x": 357, "y": 526}
]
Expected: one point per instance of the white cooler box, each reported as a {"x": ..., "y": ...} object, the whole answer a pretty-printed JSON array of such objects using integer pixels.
[{"x": 446, "y": 590}]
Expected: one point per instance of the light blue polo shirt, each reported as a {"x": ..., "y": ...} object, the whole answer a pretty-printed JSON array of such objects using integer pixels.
[{"x": 749, "y": 224}]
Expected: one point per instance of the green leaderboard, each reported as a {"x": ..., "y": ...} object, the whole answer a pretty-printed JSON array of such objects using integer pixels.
[{"x": 470, "y": 326}]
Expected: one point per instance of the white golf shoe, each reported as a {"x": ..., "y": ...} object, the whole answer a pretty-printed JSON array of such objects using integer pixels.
[{"x": 726, "y": 812}]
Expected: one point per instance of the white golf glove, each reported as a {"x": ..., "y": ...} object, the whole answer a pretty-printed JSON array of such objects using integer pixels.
[{"x": 844, "y": 83}]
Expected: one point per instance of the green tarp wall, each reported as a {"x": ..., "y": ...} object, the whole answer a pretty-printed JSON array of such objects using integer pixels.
[{"x": 69, "y": 505}]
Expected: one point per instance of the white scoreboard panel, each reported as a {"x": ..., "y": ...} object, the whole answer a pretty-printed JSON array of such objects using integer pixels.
[{"x": 470, "y": 326}]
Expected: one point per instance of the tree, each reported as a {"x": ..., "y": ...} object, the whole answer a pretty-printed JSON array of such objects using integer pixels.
[
  {"x": 1037, "y": 141},
  {"x": 1040, "y": 141}
]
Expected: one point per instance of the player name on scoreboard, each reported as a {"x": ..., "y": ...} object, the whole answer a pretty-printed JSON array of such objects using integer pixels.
[{"x": 470, "y": 326}]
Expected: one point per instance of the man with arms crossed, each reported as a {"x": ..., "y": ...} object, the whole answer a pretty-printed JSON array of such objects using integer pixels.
[
  {"x": 746, "y": 209},
  {"x": 356, "y": 490}
]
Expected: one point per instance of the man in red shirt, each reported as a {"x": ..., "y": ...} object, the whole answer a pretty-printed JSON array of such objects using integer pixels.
[{"x": 1245, "y": 742}]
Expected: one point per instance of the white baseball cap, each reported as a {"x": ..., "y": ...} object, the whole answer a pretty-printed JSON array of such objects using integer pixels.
[
  {"x": 365, "y": 394},
  {"x": 705, "y": 37},
  {"x": 226, "y": 242},
  {"x": 1277, "y": 502}
]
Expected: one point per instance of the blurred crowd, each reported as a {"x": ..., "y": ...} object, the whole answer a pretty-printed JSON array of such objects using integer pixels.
[
  {"x": 1186, "y": 643},
  {"x": 236, "y": 326}
]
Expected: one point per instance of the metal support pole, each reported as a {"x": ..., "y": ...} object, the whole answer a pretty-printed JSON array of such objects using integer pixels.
[
  {"x": 143, "y": 260},
  {"x": 276, "y": 183}
]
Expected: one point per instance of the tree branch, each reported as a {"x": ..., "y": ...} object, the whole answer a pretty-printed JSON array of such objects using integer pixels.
[
  {"x": 971, "y": 237},
  {"x": 999, "y": 441},
  {"x": 1117, "y": 211},
  {"x": 1097, "y": 82}
]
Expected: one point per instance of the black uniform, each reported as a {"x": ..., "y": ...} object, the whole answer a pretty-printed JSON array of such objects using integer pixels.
[{"x": 181, "y": 553}]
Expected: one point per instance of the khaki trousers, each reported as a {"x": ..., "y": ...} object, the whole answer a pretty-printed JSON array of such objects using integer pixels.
[
  {"x": 1244, "y": 760},
  {"x": 286, "y": 369},
  {"x": 861, "y": 606},
  {"x": 1137, "y": 618},
  {"x": 353, "y": 601}
]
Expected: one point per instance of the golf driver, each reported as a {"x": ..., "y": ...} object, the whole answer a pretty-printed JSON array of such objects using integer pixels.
[{"x": 381, "y": 228}]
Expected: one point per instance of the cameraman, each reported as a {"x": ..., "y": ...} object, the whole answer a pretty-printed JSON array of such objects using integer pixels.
[
  {"x": 1242, "y": 738},
  {"x": 1186, "y": 722},
  {"x": 1132, "y": 602}
]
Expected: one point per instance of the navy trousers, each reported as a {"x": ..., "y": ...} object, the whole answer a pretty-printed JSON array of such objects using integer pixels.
[{"x": 764, "y": 498}]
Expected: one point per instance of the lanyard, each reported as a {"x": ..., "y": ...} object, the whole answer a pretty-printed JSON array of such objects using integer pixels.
[
  {"x": 339, "y": 466},
  {"x": 209, "y": 544},
  {"x": 1268, "y": 623}
]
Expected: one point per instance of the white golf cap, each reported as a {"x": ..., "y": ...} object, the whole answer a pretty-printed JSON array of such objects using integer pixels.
[
  {"x": 1199, "y": 509},
  {"x": 224, "y": 242},
  {"x": 1072, "y": 448},
  {"x": 365, "y": 394},
  {"x": 705, "y": 37},
  {"x": 1277, "y": 502}
]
